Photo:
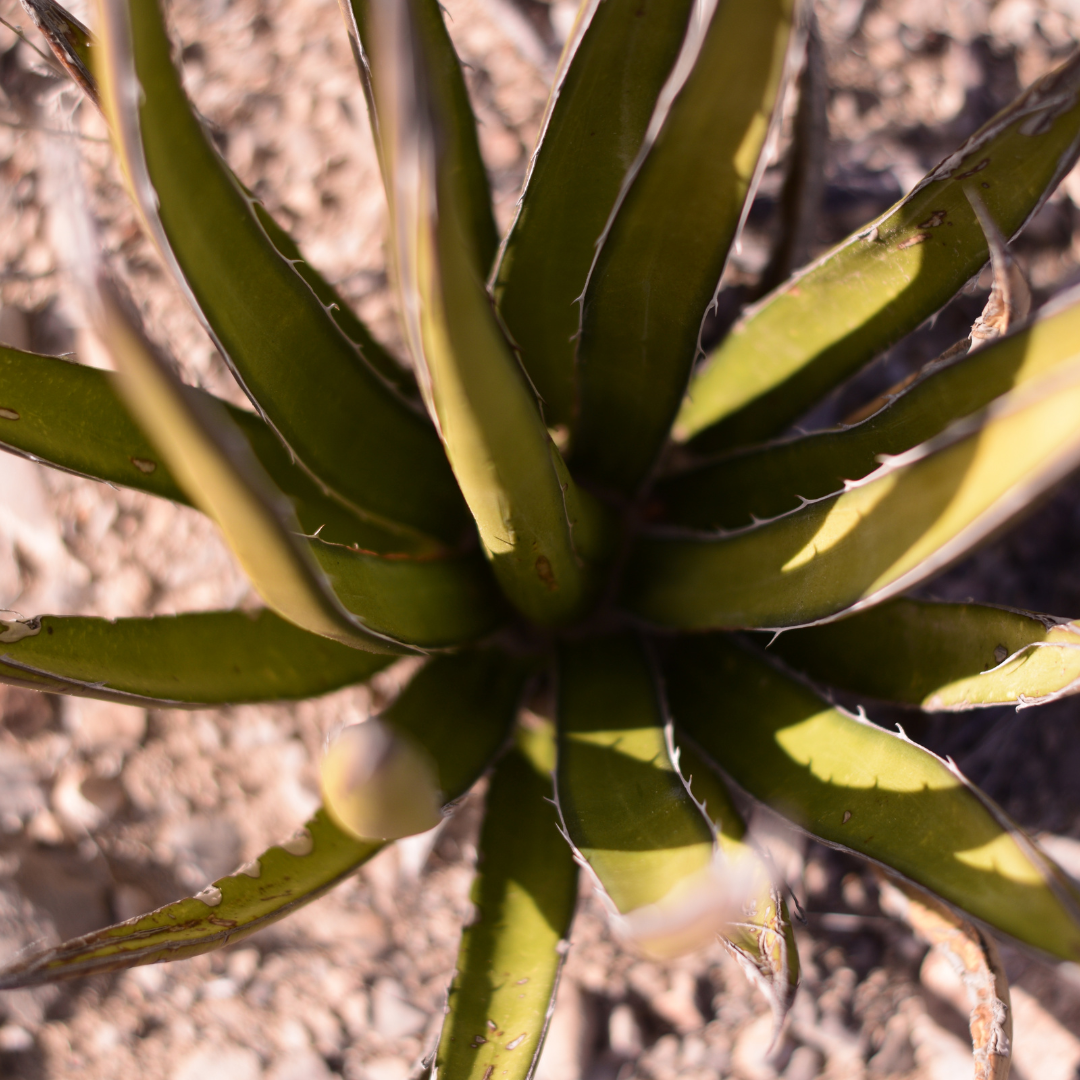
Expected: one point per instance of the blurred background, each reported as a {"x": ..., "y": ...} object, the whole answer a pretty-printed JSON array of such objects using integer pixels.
[{"x": 107, "y": 811}]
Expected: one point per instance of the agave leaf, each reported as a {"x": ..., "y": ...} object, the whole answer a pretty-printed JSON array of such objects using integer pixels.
[
  {"x": 402, "y": 585},
  {"x": 74, "y": 46},
  {"x": 859, "y": 787},
  {"x": 974, "y": 956},
  {"x": 179, "y": 661},
  {"x": 443, "y": 82},
  {"x": 880, "y": 283},
  {"x": 537, "y": 528},
  {"x": 623, "y": 804},
  {"x": 429, "y": 601},
  {"x": 941, "y": 656},
  {"x": 665, "y": 244},
  {"x": 882, "y": 535},
  {"x": 361, "y": 438},
  {"x": 71, "y": 416},
  {"x": 508, "y": 966},
  {"x": 761, "y": 939},
  {"x": 610, "y": 75},
  {"x": 731, "y": 490},
  {"x": 477, "y": 692},
  {"x": 225, "y": 482}
]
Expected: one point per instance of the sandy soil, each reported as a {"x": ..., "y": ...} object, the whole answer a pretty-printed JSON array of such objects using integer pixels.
[{"x": 106, "y": 811}]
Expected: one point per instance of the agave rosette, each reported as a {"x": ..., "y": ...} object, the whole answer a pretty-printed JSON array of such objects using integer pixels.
[{"x": 556, "y": 497}]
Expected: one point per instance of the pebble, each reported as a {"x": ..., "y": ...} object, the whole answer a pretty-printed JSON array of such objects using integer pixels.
[
  {"x": 220, "y": 1063},
  {"x": 393, "y": 1016}
]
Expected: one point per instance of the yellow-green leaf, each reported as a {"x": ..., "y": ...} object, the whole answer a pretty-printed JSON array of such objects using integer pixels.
[{"x": 868, "y": 790}]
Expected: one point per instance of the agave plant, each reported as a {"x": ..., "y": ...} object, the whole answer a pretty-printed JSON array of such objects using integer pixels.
[{"x": 558, "y": 501}]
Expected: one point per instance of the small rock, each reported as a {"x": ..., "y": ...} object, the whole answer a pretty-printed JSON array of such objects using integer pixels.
[
  {"x": 939, "y": 1054},
  {"x": 218, "y": 990},
  {"x": 220, "y": 1063},
  {"x": 385, "y": 1068},
  {"x": 15, "y": 1039},
  {"x": 750, "y": 1055},
  {"x": 624, "y": 1033},
  {"x": 805, "y": 1064},
  {"x": 569, "y": 1038},
  {"x": 98, "y": 724},
  {"x": 242, "y": 965},
  {"x": 394, "y": 1017},
  {"x": 1042, "y": 1047},
  {"x": 355, "y": 1012},
  {"x": 300, "y": 1065}
]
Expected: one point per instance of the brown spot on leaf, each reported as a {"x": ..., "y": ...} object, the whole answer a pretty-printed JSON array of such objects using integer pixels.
[
  {"x": 978, "y": 168},
  {"x": 545, "y": 573},
  {"x": 934, "y": 220},
  {"x": 911, "y": 241},
  {"x": 143, "y": 465},
  {"x": 9, "y": 414}
]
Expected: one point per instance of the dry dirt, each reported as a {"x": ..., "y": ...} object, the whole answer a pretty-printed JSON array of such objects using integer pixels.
[{"x": 106, "y": 811}]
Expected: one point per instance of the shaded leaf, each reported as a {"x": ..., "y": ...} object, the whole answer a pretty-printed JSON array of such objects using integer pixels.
[
  {"x": 219, "y": 471},
  {"x": 761, "y": 482},
  {"x": 72, "y": 416},
  {"x": 179, "y": 661},
  {"x": 859, "y": 787},
  {"x": 359, "y": 437},
  {"x": 438, "y": 79},
  {"x": 538, "y": 529}
]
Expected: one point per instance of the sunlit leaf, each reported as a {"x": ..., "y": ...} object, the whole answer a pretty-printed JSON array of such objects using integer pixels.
[
  {"x": 879, "y": 284},
  {"x": 859, "y": 787}
]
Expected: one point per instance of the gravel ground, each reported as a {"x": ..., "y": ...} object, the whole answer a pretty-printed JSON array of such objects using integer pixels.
[{"x": 106, "y": 811}]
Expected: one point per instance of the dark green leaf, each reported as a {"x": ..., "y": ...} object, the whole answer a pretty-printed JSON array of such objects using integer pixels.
[
  {"x": 662, "y": 253},
  {"x": 605, "y": 90},
  {"x": 357, "y": 435}
]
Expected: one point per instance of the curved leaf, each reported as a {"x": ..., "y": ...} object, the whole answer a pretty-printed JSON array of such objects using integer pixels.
[
  {"x": 537, "y": 528},
  {"x": 862, "y": 788},
  {"x": 71, "y": 416},
  {"x": 730, "y": 491},
  {"x": 74, "y": 46},
  {"x": 879, "y": 284},
  {"x": 203, "y": 451},
  {"x": 358, "y": 436},
  {"x": 941, "y": 656},
  {"x": 476, "y": 692},
  {"x": 501, "y": 999},
  {"x": 663, "y": 250},
  {"x": 179, "y": 661},
  {"x": 610, "y": 75},
  {"x": 623, "y": 804},
  {"x": 881, "y": 536}
]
